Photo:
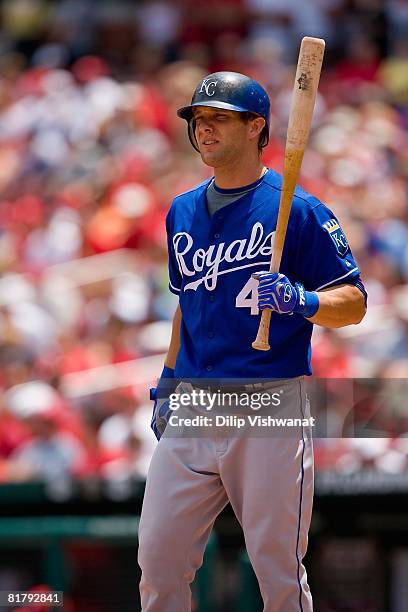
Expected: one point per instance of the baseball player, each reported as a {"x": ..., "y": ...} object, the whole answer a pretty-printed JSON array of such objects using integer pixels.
[{"x": 219, "y": 240}]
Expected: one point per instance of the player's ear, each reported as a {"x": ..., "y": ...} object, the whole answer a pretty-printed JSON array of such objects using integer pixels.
[{"x": 256, "y": 125}]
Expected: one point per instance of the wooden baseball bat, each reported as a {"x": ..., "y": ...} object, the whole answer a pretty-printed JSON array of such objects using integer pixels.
[{"x": 300, "y": 118}]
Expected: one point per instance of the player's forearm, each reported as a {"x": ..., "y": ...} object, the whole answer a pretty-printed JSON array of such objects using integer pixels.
[
  {"x": 339, "y": 307},
  {"x": 174, "y": 346}
]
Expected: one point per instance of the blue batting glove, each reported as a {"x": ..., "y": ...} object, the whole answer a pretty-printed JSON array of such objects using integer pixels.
[
  {"x": 276, "y": 292},
  {"x": 161, "y": 406},
  {"x": 160, "y": 417}
]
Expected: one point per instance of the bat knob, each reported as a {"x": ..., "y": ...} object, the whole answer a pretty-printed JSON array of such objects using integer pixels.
[{"x": 260, "y": 346}]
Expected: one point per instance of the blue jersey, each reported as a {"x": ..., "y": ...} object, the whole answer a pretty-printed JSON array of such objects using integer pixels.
[{"x": 211, "y": 260}]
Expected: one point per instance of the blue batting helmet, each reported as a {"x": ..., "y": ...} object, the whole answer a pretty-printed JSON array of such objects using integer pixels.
[{"x": 231, "y": 91}]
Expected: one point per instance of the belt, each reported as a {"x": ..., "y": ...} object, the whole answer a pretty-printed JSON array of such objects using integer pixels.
[{"x": 242, "y": 388}]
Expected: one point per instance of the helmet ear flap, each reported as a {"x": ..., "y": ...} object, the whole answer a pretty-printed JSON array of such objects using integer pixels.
[{"x": 191, "y": 133}]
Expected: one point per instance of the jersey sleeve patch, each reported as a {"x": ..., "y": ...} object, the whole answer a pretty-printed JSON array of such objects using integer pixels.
[
  {"x": 337, "y": 235},
  {"x": 316, "y": 263}
]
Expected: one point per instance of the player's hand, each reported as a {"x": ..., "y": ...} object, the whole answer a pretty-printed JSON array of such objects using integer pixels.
[
  {"x": 276, "y": 292},
  {"x": 160, "y": 396},
  {"x": 161, "y": 414}
]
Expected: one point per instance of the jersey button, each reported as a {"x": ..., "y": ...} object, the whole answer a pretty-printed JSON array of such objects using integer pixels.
[
  {"x": 209, "y": 368},
  {"x": 212, "y": 298},
  {"x": 211, "y": 334},
  {"x": 216, "y": 235}
]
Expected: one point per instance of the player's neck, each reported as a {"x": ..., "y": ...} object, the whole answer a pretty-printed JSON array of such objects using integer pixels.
[{"x": 235, "y": 177}]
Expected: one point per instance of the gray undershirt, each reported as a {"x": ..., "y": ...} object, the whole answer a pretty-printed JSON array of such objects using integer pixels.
[{"x": 216, "y": 200}]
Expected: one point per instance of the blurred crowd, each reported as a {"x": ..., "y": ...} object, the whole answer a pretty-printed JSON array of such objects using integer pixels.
[{"x": 91, "y": 155}]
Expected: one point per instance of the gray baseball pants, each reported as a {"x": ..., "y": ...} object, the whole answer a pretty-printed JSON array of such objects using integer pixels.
[{"x": 269, "y": 482}]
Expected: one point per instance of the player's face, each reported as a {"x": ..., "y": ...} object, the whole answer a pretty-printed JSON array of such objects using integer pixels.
[{"x": 221, "y": 135}]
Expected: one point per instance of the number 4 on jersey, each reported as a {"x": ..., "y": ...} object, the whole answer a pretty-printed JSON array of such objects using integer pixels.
[{"x": 248, "y": 296}]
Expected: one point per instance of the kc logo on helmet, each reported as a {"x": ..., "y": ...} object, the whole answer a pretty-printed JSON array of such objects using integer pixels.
[
  {"x": 336, "y": 234},
  {"x": 208, "y": 85}
]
